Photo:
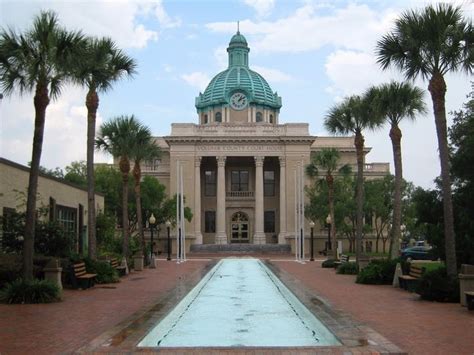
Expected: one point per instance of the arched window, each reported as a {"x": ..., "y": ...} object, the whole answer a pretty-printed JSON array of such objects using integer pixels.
[
  {"x": 205, "y": 119},
  {"x": 271, "y": 118},
  {"x": 259, "y": 117},
  {"x": 218, "y": 117}
]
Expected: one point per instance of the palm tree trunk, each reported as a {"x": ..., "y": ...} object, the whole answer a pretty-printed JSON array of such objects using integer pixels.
[
  {"x": 359, "y": 145},
  {"x": 137, "y": 177},
  {"x": 92, "y": 103},
  {"x": 396, "y": 137},
  {"x": 330, "y": 181},
  {"x": 41, "y": 101},
  {"x": 125, "y": 169},
  {"x": 437, "y": 89}
]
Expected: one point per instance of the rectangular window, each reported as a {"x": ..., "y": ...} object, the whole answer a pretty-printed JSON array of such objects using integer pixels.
[
  {"x": 269, "y": 183},
  {"x": 239, "y": 180},
  {"x": 269, "y": 222},
  {"x": 67, "y": 218},
  {"x": 210, "y": 183},
  {"x": 210, "y": 222}
]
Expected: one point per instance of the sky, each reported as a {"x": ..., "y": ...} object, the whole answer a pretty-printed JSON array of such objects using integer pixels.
[{"x": 313, "y": 53}]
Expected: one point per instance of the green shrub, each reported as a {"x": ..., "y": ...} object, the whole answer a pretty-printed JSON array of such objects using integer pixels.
[
  {"x": 50, "y": 237},
  {"x": 380, "y": 271},
  {"x": 10, "y": 268},
  {"x": 347, "y": 269},
  {"x": 105, "y": 273},
  {"x": 435, "y": 285},
  {"x": 329, "y": 263},
  {"x": 30, "y": 291}
]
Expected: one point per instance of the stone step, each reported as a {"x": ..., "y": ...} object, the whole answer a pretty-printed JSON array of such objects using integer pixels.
[{"x": 241, "y": 248}]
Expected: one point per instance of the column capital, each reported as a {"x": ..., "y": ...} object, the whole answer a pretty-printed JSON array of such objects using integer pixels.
[
  {"x": 282, "y": 160},
  {"x": 259, "y": 161},
  {"x": 197, "y": 161},
  {"x": 220, "y": 160}
]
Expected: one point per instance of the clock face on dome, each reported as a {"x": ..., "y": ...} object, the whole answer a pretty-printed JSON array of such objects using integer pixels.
[{"x": 238, "y": 101}]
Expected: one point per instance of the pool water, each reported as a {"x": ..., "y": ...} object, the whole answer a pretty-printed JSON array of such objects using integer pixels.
[{"x": 239, "y": 303}]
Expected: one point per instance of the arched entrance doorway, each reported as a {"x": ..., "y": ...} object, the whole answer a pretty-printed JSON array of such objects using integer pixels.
[{"x": 239, "y": 231}]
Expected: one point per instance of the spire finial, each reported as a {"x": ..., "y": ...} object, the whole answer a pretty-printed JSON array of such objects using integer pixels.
[{"x": 238, "y": 27}]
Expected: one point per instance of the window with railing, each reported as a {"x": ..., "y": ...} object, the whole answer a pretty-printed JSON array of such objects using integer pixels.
[
  {"x": 269, "y": 183},
  {"x": 239, "y": 180},
  {"x": 152, "y": 165},
  {"x": 210, "y": 183}
]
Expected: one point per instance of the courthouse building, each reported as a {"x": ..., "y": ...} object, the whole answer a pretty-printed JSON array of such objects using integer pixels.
[{"x": 239, "y": 160}]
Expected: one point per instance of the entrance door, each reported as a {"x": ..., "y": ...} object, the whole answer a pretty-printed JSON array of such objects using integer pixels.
[{"x": 239, "y": 228}]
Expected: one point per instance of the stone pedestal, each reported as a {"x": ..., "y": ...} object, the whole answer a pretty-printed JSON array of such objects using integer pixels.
[
  {"x": 398, "y": 272},
  {"x": 363, "y": 261},
  {"x": 466, "y": 281},
  {"x": 138, "y": 262},
  {"x": 153, "y": 262},
  {"x": 52, "y": 272},
  {"x": 124, "y": 263}
]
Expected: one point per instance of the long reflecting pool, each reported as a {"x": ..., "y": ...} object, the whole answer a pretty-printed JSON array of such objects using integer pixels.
[{"x": 239, "y": 303}]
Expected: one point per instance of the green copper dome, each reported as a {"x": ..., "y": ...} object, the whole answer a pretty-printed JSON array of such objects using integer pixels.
[{"x": 238, "y": 77}]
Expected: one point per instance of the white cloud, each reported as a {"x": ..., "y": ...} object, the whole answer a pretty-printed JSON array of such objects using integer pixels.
[
  {"x": 197, "y": 79},
  {"x": 64, "y": 135},
  {"x": 272, "y": 75},
  {"x": 165, "y": 20},
  {"x": 351, "y": 27},
  {"x": 120, "y": 20},
  {"x": 262, "y": 7}
]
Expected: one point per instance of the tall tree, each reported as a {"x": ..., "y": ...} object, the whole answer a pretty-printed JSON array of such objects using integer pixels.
[
  {"x": 102, "y": 66},
  {"x": 327, "y": 159},
  {"x": 37, "y": 61},
  {"x": 396, "y": 101},
  {"x": 354, "y": 115},
  {"x": 118, "y": 137},
  {"x": 145, "y": 149},
  {"x": 432, "y": 42}
]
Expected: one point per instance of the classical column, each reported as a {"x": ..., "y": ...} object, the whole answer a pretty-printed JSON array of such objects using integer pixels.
[
  {"x": 282, "y": 234},
  {"x": 259, "y": 235},
  {"x": 197, "y": 200},
  {"x": 221, "y": 236}
]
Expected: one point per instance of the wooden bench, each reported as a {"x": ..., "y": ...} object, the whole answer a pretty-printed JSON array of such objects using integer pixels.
[
  {"x": 409, "y": 282},
  {"x": 116, "y": 265},
  {"x": 342, "y": 260},
  {"x": 469, "y": 300},
  {"x": 81, "y": 279}
]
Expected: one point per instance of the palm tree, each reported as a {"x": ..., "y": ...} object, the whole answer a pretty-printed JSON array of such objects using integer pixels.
[
  {"x": 430, "y": 43},
  {"x": 354, "y": 115},
  {"x": 103, "y": 64},
  {"x": 38, "y": 60},
  {"x": 145, "y": 149},
  {"x": 118, "y": 137},
  {"x": 396, "y": 101},
  {"x": 327, "y": 159}
]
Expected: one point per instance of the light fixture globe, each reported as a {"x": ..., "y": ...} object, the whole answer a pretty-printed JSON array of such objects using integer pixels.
[
  {"x": 168, "y": 224},
  {"x": 311, "y": 224},
  {"x": 152, "y": 219},
  {"x": 328, "y": 219}
]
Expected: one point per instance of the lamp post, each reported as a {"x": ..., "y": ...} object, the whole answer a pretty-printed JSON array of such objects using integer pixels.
[
  {"x": 328, "y": 222},
  {"x": 168, "y": 225},
  {"x": 152, "y": 221},
  {"x": 311, "y": 224}
]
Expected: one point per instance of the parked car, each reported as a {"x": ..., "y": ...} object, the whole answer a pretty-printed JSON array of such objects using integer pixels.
[{"x": 417, "y": 253}]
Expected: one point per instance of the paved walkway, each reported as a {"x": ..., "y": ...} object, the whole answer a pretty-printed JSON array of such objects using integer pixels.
[
  {"x": 415, "y": 326},
  {"x": 418, "y": 327}
]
